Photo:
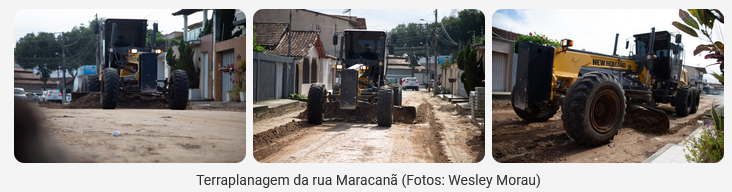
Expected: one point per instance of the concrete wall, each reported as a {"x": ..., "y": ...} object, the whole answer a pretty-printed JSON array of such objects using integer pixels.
[
  {"x": 307, "y": 21},
  {"x": 503, "y": 77},
  {"x": 206, "y": 46}
]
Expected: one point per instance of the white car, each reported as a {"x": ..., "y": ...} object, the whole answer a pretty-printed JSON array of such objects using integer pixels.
[
  {"x": 54, "y": 96},
  {"x": 410, "y": 83},
  {"x": 20, "y": 95}
]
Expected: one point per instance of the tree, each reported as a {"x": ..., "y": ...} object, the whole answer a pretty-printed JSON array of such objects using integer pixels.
[
  {"x": 38, "y": 51},
  {"x": 413, "y": 61},
  {"x": 703, "y": 21},
  {"x": 473, "y": 69},
  {"x": 257, "y": 47},
  {"x": 184, "y": 62}
]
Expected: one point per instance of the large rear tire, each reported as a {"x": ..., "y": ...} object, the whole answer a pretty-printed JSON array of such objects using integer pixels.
[
  {"x": 385, "y": 110},
  {"x": 684, "y": 102},
  {"x": 397, "y": 90},
  {"x": 534, "y": 113},
  {"x": 92, "y": 84},
  {"x": 593, "y": 109},
  {"x": 695, "y": 99},
  {"x": 178, "y": 93},
  {"x": 110, "y": 88},
  {"x": 316, "y": 103}
]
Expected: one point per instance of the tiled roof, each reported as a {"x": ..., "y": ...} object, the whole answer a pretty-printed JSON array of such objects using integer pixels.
[
  {"x": 359, "y": 23},
  {"x": 397, "y": 60},
  {"x": 59, "y": 79},
  {"x": 30, "y": 82},
  {"x": 269, "y": 34},
  {"x": 20, "y": 73},
  {"x": 505, "y": 34},
  {"x": 302, "y": 43}
]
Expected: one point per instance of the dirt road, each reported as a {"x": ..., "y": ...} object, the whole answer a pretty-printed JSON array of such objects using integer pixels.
[
  {"x": 147, "y": 135},
  {"x": 515, "y": 140},
  {"x": 435, "y": 137}
]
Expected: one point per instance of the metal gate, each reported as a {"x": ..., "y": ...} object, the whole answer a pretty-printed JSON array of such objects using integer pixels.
[
  {"x": 499, "y": 72},
  {"x": 226, "y": 79},
  {"x": 273, "y": 77}
]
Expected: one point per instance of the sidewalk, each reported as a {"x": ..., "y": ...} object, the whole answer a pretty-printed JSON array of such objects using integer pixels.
[
  {"x": 272, "y": 104},
  {"x": 674, "y": 153},
  {"x": 217, "y": 104}
]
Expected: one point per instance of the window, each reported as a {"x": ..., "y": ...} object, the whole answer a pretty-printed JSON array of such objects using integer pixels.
[
  {"x": 306, "y": 70},
  {"x": 314, "y": 69}
]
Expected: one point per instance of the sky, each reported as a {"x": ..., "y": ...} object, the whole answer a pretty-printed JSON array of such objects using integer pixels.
[
  {"x": 594, "y": 30},
  {"x": 37, "y": 20},
  {"x": 386, "y": 19}
]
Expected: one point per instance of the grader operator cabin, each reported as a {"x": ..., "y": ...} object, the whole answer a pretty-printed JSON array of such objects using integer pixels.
[
  {"x": 595, "y": 91},
  {"x": 129, "y": 65}
]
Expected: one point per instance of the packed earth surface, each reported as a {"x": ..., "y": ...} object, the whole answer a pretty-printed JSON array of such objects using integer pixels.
[
  {"x": 435, "y": 134},
  {"x": 517, "y": 141},
  {"x": 141, "y": 130}
]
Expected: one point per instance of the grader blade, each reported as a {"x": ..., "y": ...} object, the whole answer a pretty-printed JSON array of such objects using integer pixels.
[
  {"x": 646, "y": 118},
  {"x": 405, "y": 113}
]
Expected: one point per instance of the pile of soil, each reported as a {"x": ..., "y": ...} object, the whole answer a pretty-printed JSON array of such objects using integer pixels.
[
  {"x": 502, "y": 105},
  {"x": 126, "y": 100},
  {"x": 424, "y": 113},
  {"x": 264, "y": 139},
  {"x": 447, "y": 108},
  {"x": 429, "y": 137},
  {"x": 281, "y": 111},
  {"x": 477, "y": 143},
  {"x": 365, "y": 115}
]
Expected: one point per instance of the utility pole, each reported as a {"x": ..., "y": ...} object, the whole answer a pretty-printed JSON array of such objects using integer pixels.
[
  {"x": 435, "y": 44},
  {"x": 63, "y": 66}
]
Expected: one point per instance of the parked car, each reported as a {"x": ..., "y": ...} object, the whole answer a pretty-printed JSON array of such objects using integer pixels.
[
  {"x": 42, "y": 98},
  {"x": 54, "y": 96},
  {"x": 20, "y": 94},
  {"x": 410, "y": 83},
  {"x": 33, "y": 97}
]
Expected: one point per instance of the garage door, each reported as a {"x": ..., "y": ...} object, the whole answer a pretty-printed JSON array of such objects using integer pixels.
[{"x": 499, "y": 72}]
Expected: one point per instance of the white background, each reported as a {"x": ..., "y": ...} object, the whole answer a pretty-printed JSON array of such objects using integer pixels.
[{"x": 182, "y": 177}]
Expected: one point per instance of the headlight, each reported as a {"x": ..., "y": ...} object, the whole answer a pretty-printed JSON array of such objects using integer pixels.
[
  {"x": 364, "y": 68},
  {"x": 158, "y": 51},
  {"x": 339, "y": 67},
  {"x": 566, "y": 43},
  {"x": 133, "y": 50}
]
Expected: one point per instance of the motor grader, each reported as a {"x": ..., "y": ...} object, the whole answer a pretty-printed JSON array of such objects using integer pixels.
[
  {"x": 130, "y": 66},
  {"x": 595, "y": 91},
  {"x": 361, "y": 80}
]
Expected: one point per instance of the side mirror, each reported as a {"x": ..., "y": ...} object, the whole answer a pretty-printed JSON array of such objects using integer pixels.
[
  {"x": 391, "y": 50},
  {"x": 626, "y": 44},
  {"x": 393, "y": 39},
  {"x": 335, "y": 39},
  {"x": 678, "y": 38}
]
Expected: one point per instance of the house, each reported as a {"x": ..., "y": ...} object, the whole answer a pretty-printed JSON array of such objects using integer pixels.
[
  {"x": 30, "y": 82},
  {"x": 398, "y": 67},
  {"x": 216, "y": 49},
  {"x": 312, "y": 64},
  {"x": 503, "y": 65},
  {"x": 306, "y": 20},
  {"x": 695, "y": 75}
]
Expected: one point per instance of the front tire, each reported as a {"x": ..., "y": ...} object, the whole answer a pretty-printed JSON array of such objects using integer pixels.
[
  {"x": 316, "y": 103},
  {"x": 384, "y": 106},
  {"x": 684, "y": 102},
  {"x": 593, "y": 109},
  {"x": 110, "y": 88},
  {"x": 178, "y": 93}
]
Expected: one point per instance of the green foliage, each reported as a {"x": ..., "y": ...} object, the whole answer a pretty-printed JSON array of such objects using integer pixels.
[
  {"x": 185, "y": 62},
  {"x": 709, "y": 147},
  {"x": 420, "y": 34},
  {"x": 37, "y": 51},
  {"x": 298, "y": 96},
  {"x": 207, "y": 29},
  {"x": 535, "y": 38},
  {"x": 257, "y": 47},
  {"x": 703, "y": 22},
  {"x": 472, "y": 66},
  {"x": 719, "y": 77},
  {"x": 447, "y": 63}
]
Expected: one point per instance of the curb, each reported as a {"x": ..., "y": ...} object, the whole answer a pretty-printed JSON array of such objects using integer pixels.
[{"x": 667, "y": 146}]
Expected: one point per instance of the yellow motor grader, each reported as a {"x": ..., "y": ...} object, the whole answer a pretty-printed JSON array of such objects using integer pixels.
[{"x": 595, "y": 91}]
